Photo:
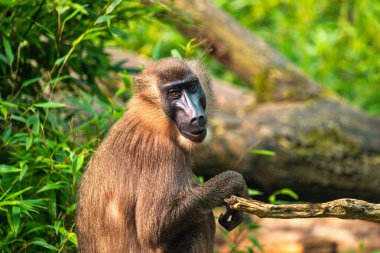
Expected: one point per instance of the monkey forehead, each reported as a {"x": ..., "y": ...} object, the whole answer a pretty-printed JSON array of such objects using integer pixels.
[{"x": 168, "y": 70}]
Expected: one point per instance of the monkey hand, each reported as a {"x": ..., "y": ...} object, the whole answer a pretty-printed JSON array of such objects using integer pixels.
[{"x": 230, "y": 219}]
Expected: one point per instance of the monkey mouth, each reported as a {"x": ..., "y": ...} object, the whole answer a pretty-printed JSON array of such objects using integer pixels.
[
  {"x": 195, "y": 135},
  {"x": 198, "y": 132}
]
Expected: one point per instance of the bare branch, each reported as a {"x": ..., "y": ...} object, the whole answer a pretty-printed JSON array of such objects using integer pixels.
[{"x": 340, "y": 208}]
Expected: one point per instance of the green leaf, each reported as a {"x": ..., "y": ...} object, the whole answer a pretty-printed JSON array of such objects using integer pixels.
[
  {"x": 57, "y": 225},
  {"x": 8, "y": 51},
  {"x": 79, "y": 162},
  {"x": 72, "y": 237},
  {"x": 16, "y": 218},
  {"x": 156, "y": 51},
  {"x": 18, "y": 118},
  {"x": 4, "y": 111},
  {"x": 249, "y": 249},
  {"x": 49, "y": 105},
  {"x": 52, "y": 204},
  {"x": 24, "y": 169},
  {"x": 6, "y": 134},
  {"x": 175, "y": 53},
  {"x": 113, "y": 6},
  {"x": 262, "y": 152},
  {"x": 28, "y": 142},
  {"x": 256, "y": 243},
  {"x": 50, "y": 186},
  {"x": 8, "y": 169},
  {"x": 56, "y": 80},
  {"x": 73, "y": 14},
  {"x": 36, "y": 126},
  {"x": 30, "y": 81},
  {"x": 103, "y": 19},
  {"x": 285, "y": 191},
  {"x": 10, "y": 221},
  {"x": 49, "y": 33},
  {"x": 60, "y": 60},
  {"x": 62, "y": 9},
  {"x": 15, "y": 194},
  {"x": 231, "y": 245},
  {"x": 8, "y": 104},
  {"x": 253, "y": 192},
  {"x": 80, "y": 8},
  {"x": 4, "y": 59},
  {"x": 41, "y": 242},
  {"x": 94, "y": 31}
]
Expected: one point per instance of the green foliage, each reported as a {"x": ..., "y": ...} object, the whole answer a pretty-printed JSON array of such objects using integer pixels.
[
  {"x": 245, "y": 230},
  {"x": 337, "y": 43},
  {"x": 53, "y": 112}
]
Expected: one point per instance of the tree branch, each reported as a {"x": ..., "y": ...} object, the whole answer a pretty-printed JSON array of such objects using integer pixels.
[{"x": 340, "y": 208}]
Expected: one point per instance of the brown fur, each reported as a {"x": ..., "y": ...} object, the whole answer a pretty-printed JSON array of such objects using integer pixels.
[{"x": 138, "y": 193}]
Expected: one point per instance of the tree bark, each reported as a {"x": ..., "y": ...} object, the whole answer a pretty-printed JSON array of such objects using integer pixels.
[{"x": 340, "y": 208}]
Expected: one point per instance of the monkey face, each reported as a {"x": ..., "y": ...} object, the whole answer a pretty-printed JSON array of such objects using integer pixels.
[{"x": 185, "y": 103}]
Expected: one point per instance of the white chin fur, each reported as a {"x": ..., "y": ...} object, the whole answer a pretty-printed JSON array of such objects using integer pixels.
[{"x": 190, "y": 145}]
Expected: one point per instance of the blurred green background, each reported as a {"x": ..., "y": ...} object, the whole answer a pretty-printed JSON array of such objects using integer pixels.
[{"x": 53, "y": 112}]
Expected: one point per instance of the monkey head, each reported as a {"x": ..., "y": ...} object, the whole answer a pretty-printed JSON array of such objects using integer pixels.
[
  {"x": 184, "y": 102},
  {"x": 182, "y": 90}
]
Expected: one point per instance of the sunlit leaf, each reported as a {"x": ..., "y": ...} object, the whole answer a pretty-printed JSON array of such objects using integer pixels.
[
  {"x": 175, "y": 53},
  {"x": 103, "y": 19},
  {"x": 28, "y": 142},
  {"x": 41, "y": 242},
  {"x": 31, "y": 81},
  {"x": 285, "y": 191},
  {"x": 49, "y": 105},
  {"x": 8, "y": 50},
  {"x": 51, "y": 186},
  {"x": 8, "y": 169},
  {"x": 156, "y": 51},
  {"x": 253, "y": 192},
  {"x": 262, "y": 152},
  {"x": 112, "y": 6},
  {"x": 7, "y": 133},
  {"x": 16, "y": 218}
]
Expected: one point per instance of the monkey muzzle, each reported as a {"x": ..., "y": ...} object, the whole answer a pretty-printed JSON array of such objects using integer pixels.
[{"x": 197, "y": 135}]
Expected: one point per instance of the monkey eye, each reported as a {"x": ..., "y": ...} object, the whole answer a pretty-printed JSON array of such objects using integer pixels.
[
  {"x": 192, "y": 86},
  {"x": 174, "y": 93}
]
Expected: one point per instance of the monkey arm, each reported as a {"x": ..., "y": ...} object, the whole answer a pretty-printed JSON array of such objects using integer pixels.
[{"x": 190, "y": 207}]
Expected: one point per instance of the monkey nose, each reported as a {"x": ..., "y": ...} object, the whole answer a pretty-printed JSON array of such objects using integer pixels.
[{"x": 199, "y": 121}]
